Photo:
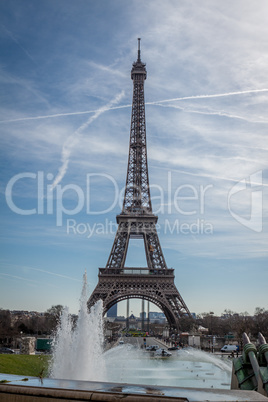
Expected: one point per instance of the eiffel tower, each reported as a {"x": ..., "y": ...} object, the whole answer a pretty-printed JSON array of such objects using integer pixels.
[{"x": 154, "y": 283}]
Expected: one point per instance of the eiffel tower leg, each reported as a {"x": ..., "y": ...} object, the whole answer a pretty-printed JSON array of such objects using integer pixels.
[
  {"x": 153, "y": 250},
  {"x": 119, "y": 250}
]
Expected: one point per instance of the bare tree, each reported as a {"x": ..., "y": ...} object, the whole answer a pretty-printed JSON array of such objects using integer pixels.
[{"x": 52, "y": 317}]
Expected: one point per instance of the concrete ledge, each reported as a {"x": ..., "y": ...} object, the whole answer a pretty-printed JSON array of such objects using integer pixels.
[
  {"x": 17, "y": 393},
  {"x": 32, "y": 389}
]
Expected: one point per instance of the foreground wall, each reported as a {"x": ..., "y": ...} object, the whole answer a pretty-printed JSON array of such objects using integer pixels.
[
  {"x": 119, "y": 392},
  {"x": 16, "y": 393}
]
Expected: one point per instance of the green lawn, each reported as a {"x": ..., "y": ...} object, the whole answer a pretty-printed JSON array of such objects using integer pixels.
[{"x": 26, "y": 365}]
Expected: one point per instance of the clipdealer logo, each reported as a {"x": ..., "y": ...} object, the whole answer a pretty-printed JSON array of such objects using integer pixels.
[
  {"x": 253, "y": 184},
  {"x": 71, "y": 199},
  {"x": 87, "y": 229}
]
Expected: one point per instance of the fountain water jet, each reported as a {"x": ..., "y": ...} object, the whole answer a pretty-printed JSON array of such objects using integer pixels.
[{"x": 77, "y": 352}]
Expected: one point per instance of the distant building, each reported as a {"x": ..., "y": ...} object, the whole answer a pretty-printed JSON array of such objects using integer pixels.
[
  {"x": 133, "y": 322},
  {"x": 112, "y": 312},
  {"x": 155, "y": 316},
  {"x": 120, "y": 318}
]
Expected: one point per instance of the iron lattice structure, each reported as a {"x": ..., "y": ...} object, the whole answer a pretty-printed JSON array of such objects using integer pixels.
[{"x": 155, "y": 282}]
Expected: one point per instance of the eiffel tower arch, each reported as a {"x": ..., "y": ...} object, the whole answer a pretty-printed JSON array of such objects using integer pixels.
[{"x": 154, "y": 283}]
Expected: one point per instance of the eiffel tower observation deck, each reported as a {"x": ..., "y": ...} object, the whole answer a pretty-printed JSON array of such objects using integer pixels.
[{"x": 154, "y": 283}]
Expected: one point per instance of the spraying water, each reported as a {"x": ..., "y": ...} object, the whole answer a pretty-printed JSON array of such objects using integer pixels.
[{"x": 77, "y": 351}]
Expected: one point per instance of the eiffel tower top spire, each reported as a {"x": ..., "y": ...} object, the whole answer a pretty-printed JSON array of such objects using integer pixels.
[
  {"x": 137, "y": 200},
  {"x": 139, "y": 49},
  {"x": 138, "y": 67}
]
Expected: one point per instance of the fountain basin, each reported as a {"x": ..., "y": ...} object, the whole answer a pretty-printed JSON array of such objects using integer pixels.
[{"x": 185, "y": 368}]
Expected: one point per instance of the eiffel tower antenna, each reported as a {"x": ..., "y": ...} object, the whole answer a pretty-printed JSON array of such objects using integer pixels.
[
  {"x": 154, "y": 283},
  {"x": 139, "y": 49}
]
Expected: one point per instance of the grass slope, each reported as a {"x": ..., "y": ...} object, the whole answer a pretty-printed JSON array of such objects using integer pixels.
[{"x": 29, "y": 365}]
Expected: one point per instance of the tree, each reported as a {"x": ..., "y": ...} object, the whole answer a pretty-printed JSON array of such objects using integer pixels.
[
  {"x": 260, "y": 323},
  {"x": 187, "y": 324},
  {"x": 52, "y": 317},
  {"x": 5, "y": 325}
]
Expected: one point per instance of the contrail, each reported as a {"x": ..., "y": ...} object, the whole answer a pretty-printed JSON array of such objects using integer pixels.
[
  {"x": 42, "y": 270},
  {"x": 19, "y": 277},
  {"x": 209, "y": 96},
  {"x": 207, "y": 175},
  {"x": 10, "y": 34},
  {"x": 53, "y": 273},
  {"x": 27, "y": 280},
  {"x": 72, "y": 140},
  {"x": 127, "y": 106},
  {"x": 48, "y": 116},
  {"x": 211, "y": 113}
]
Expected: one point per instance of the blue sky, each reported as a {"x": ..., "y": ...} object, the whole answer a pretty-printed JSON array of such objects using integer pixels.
[{"x": 65, "y": 114}]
